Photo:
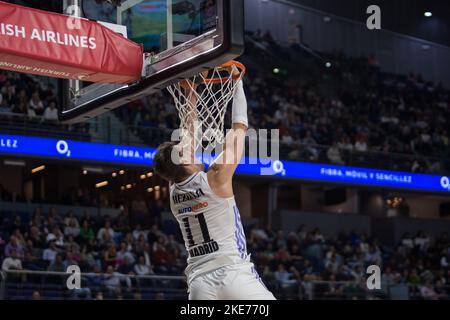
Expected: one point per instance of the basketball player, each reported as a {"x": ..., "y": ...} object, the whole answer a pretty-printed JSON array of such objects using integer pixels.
[{"x": 219, "y": 267}]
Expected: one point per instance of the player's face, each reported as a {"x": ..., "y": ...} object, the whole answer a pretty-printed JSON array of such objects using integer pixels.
[{"x": 191, "y": 168}]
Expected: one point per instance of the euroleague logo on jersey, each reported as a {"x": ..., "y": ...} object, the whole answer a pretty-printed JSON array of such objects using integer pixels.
[{"x": 194, "y": 208}]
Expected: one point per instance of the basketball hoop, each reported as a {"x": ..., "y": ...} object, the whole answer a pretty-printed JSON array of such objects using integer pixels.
[{"x": 204, "y": 99}]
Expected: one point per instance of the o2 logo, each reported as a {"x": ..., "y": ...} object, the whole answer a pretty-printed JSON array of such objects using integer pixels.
[
  {"x": 445, "y": 183},
  {"x": 62, "y": 147},
  {"x": 278, "y": 167}
]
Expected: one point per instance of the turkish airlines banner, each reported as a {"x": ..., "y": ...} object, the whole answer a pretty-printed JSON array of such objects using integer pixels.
[{"x": 56, "y": 45}]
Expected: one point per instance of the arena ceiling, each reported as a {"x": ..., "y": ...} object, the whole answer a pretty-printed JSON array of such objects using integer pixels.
[{"x": 403, "y": 16}]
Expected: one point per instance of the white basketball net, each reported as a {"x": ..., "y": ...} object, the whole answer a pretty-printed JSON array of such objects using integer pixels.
[{"x": 205, "y": 104}]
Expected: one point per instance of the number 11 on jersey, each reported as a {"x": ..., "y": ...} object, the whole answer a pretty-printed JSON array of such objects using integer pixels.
[{"x": 203, "y": 227}]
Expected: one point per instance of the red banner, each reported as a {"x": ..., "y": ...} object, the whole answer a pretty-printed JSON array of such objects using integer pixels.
[{"x": 56, "y": 45}]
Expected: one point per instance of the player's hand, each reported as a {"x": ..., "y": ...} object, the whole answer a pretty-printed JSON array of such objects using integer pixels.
[{"x": 188, "y": 85}]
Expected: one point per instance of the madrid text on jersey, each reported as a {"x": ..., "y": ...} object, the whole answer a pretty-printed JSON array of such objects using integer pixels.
[
  {"x": 205, "y": 248},
  {"x": 182, "y": 197}
]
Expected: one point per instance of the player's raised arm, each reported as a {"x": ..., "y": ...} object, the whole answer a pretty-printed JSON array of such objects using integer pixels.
[
  {"x": 188, "y": 139},
  {"x": 220, "y": 174}
]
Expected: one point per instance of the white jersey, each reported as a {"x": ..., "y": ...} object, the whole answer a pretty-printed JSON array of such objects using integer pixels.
[{"x": 211, "y": 226}]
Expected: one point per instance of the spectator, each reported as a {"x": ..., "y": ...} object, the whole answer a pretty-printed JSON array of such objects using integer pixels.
[
  {"x": 122, "y": 222},
  {"x": 126, "y": 267},
  {"x": 51, "y": 112},
  {"x": 4, "y": 107},
  {"x": 421, "y": 241},
  {"x": 86, "y": 231},
  {"x": 95, "y": 281},
  {"x": 334, "y": 154},
  {"x": 259, "y": 233},
  {"x": 50, "y": 253},
  {"x": 57, "y": 236},
  {"x": 9, "y": 94},
  {"x": 360, "y": 144},
  {"x": 428, "y": 293},
  {"x": 282, "y": 276},
  {"x": 54, "y": 216},
  {"x": 70, "y": 260},
  {"x": 332, "y": 263},
  {"x": 373, "y": 256},
  {"x": 106, "y": 229},
  {"x": 110, "y": 256},
  {"x": 407, "y": 241},
  {"x": 142, "y": 268},
  {"x": 32, "y": 257},
  {"x": 125, "y": 254},
  {"x": 139, "y": 209},
  {"x": 112, "y": 281},
  {"x": 137, "y": 232},
  {"x": 36, "y": 237},
  {"x": 15, "y": 246},
  {"x": 71, "y": 217},
  {"x": 161, "y": 256},
  {"x": 72, "y": 229},
  {"x": 12, "y": 262},
  {"x": 345, "y": 144},
  {"x": 36, "y": 104},
  {"x": 147, "y": 254},
  {"x": 57, "y": 264},
  {"x": 27, "y": 110},
  {"x": 445, "y": 260},
  {"x": 72, "y": 245}
]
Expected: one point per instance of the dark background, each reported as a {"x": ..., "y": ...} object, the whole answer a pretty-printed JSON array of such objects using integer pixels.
[{"x": 403, "y": 16}]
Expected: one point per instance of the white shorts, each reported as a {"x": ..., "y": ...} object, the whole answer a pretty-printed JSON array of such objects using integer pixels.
[{"x": 236, "y": 282}]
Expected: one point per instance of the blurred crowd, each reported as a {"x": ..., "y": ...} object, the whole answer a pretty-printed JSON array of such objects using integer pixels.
[
  {"x": 21, "y": 94},
  {"x": 388, "y": 118},
  {"x": 30, "y": 104},
  {"x": 304, "y": 264},
  {"x": 321, "y": 265},
  {"x": 105, "y": 246}
]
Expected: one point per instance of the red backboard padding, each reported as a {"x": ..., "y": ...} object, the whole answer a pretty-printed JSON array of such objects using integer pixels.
[{"x": 56, "y": 45}]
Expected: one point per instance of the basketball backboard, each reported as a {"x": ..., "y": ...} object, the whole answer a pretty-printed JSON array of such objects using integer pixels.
[{"x": 181, "y": 38}]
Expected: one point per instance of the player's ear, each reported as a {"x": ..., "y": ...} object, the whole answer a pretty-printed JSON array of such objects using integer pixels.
[
  {"x": 185, "y": 155},
  {"x": 177, "y": 155}
]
